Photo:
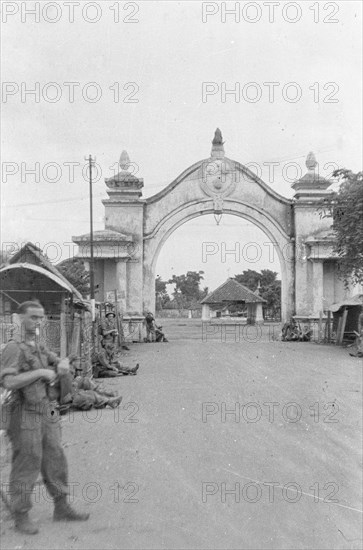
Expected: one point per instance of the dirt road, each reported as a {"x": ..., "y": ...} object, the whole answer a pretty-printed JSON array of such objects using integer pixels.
[{"x": 216, "y": 445}]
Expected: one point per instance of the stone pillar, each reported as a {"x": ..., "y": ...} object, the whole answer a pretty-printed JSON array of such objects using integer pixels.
[
  {"x": 124, "y": 212},
  {"x": 205, "y": 312},
  {"x": 317, "y": 287},
  {"x": 135, "y": 287},
  {"x": 121, "y": 285},
  {"x": 259, "y": 320},
  {"x": 250, "y": 314},
  {"x": 309, "y": 191}
]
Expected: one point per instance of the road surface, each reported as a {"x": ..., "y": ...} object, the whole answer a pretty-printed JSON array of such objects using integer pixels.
[{"x": 218, "y": 444}]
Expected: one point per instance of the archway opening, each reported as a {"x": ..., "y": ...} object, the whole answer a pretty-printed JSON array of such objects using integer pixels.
[{"x": 235, "y": 248}]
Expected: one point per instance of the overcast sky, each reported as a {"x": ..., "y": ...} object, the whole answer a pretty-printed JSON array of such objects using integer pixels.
[{"x": 147, "y": 71}]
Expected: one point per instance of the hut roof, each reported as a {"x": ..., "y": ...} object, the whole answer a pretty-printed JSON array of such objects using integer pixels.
[
  {"x": 356, "y": 300},
  {"x": 232, "y": 291},
  {"x": 39, "y": 270},
  {"x": 30, "y": 255}
]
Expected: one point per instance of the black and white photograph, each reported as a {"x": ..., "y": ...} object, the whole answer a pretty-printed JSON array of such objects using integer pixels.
[{"x": 181, "y": 275}]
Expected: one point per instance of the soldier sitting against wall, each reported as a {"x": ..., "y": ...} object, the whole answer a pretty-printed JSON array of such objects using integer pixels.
[
  {"x": 106, "y": 364},
  {"x": 291, "y": 331},
  {"x": 109, "y": 327}
]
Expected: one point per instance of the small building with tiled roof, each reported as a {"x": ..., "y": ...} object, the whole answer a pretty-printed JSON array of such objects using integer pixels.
[{"x": 233, "y": 292}]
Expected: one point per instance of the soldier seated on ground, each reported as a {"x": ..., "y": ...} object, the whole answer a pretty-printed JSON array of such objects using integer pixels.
[
  {"x": 292, "y": 332},
  {"x": 106, "y": 364},
  {"x": 160, "y": 336},
  {"x": 153, "y": 331},
  {"x": 84, "y": 394}
]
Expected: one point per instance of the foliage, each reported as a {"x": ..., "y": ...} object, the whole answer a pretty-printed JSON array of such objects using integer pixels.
[
  {"x": 74, "y": 270},
  {"x": 270, "y": 286},
  {"x": 162, "y": 298},
  {"x": 345, "y": 207},
  {"x": 187, "y": 288},
  {"x": 4, "y": 257}
]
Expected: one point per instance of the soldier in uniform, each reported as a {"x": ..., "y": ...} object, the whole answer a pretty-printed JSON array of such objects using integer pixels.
[
  {"x": 106, "y": 364},
  {"x": 150, "y": 327},
  {"x": 30, "y": 371},
  {"x": 108, "y": 326},
  {"x": 86, "y": 394},
  {"x": 153, "y": 331}
]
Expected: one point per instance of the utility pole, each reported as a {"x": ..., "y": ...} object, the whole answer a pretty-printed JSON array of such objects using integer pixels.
[{"x": 91, "y": 162}]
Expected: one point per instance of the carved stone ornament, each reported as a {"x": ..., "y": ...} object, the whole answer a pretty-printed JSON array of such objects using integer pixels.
[
  {"x": 125, "y": 178},
  {"x": 218, "y": 204},
  {"x": 218, "y": 178}
]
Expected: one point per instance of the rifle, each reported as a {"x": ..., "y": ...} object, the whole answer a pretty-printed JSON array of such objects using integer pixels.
[{"x": 120, "y": 330}]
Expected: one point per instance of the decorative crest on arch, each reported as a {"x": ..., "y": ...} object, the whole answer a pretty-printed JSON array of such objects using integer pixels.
[{"x": 218, "y": 172}]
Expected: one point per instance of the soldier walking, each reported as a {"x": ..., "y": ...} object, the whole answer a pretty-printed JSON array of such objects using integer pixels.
[{"x": 30, "y": 371}]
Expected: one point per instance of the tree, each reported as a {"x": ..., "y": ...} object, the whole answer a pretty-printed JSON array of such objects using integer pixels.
[
  {"x": 249, "y": 278},
  {"x": 345, "y": 207},
  {"x": 4, "y": 257},
  {"x": 162, "y": 298},
  {"x": 270, "y": 286},
  {"x": 187, "y": 288},
  {"x": 74, "y": 270}
]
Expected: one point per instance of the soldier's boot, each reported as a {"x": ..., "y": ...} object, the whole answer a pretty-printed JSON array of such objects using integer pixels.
[
  {"x": 24, "y": 525},
  {"x": 114, "y": 402},
  {"x": 134, "y": 369},
  {"x": 64, "y": 512}
]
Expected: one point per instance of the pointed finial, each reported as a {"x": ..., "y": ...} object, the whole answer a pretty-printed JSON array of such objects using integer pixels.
[
  {"x": 124, "y": 161},
  {"x": 258, "y": 287},
  {"x": 217, "y": 140},
  {"x": 311, "y": 161},
  {"x": 217, "y": 145}
]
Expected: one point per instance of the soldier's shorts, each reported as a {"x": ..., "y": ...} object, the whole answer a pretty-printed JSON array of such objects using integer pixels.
[{"x": 35, "y": 434}]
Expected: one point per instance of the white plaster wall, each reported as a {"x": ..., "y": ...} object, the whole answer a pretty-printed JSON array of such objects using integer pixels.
[
  {"x": 188, "y": 188},
  {"x": 307, "y": 222},
  {"x": 110, "y": 282},
  {"x": 153, "y": 244}
]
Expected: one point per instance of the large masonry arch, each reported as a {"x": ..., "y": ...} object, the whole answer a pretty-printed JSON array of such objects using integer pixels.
[
  {"x": 137, "y": 228},
  {"x": 241, "y": 193}
]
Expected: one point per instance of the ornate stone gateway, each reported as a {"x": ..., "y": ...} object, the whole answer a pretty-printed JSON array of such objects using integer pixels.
[{"x": 136, "y": 229}]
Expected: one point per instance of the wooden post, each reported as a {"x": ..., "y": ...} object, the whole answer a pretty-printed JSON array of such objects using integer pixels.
[
  {"x": 63, "y": 328},
  {"x": 320, "y": 329},
  {"x": 87, "y": 346},
  {"x": 338, "y": 330},
  {"x": 341, "y": 327},
  {"x": 76, "y": 335},
  {"x": 329, "y": 326},
  {"x": 120, "y": 329}
]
